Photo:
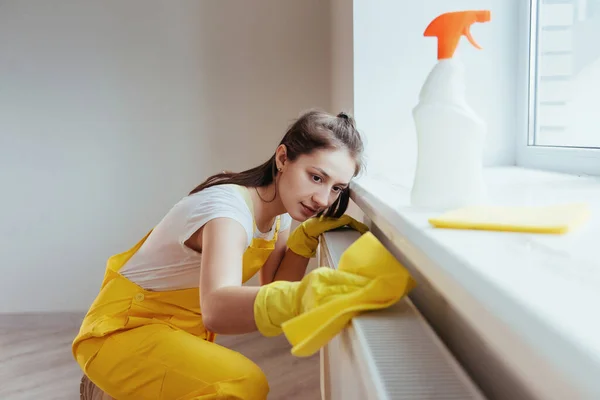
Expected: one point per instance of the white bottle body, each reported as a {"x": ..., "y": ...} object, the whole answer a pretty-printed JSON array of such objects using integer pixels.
[{"x": 450, "y": 139}]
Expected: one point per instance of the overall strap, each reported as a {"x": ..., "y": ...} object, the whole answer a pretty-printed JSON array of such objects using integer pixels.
[{"x": 276, "y": 234}]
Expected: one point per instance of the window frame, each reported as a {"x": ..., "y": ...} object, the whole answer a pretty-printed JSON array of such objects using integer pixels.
[{"x": 574, "y": 160}]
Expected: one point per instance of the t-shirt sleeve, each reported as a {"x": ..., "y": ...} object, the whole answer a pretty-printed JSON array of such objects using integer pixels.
[
  {"x": 221, "y": 201},
  {"x": 286, "y": 222}
]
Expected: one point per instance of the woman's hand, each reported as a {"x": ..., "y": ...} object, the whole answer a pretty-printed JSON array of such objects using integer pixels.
[
  {"x": 305, "y": 238},
  {"x": 310, "y": 312},
  {"x": 281, "y": 301}
]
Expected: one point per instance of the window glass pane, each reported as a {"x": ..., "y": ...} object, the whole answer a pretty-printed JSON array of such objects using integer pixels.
[{"x": 567, "y": 80}]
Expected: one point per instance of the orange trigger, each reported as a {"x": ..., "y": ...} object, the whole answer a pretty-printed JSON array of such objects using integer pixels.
[{"x": 467, "y": 33}]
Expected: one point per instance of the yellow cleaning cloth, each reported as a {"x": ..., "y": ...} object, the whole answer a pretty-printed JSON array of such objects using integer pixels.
[
  {"x": 368, "y": 258},
  {"x": 534, "y": 219}
]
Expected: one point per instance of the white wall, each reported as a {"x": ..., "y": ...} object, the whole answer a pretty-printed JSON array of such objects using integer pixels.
[
  {"x": 111, "y": 111},
  {"x": 342, "y": 56},
  {"x": 342, "y": 72},
  {"x": 393, "y": 58}
]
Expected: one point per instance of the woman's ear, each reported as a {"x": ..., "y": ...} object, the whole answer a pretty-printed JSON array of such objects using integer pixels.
[{"x": 281, "y": 156}]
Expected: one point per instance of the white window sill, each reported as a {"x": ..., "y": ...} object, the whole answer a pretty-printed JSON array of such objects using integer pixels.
[{"x": 534, "y": 299}]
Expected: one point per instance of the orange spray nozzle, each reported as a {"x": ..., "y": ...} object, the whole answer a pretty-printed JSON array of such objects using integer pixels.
[{"x": 449, "y": 27}]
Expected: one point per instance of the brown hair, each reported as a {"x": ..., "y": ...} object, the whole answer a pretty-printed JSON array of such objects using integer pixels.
[{"x": 314, "y": 130}]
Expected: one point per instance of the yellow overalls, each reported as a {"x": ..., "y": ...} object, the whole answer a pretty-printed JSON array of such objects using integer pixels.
[{"x": 140, "y": 344}]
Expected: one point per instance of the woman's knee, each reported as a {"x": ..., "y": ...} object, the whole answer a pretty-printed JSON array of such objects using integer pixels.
[
  {"x": 257, "y": 383},
  {"x": 251, "y": 385}
]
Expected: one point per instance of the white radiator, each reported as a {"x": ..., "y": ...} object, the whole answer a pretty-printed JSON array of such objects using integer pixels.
[{"x": 388, "y": 354}]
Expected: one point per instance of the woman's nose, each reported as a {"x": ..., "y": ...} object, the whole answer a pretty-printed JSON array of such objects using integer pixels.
[{"x": 321, "y": 198}]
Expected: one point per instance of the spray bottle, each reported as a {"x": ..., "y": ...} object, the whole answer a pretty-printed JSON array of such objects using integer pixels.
[{"x": 450, "y": 135}]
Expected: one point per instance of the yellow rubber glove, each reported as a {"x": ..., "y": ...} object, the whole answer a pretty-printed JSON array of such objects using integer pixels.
[
  {"x": 388, "y": 282},
  {"x": 304, "y": 240},
  {"x": 280, "y": 301},
  {"x": 314, "y": 310}
]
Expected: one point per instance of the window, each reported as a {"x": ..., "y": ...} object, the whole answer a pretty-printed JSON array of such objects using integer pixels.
[{"x": 563, "y": 80}]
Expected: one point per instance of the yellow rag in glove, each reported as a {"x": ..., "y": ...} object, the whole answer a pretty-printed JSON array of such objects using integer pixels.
[
  {"x": 280, "y": 301},
  {"x": 304, "y": 240},
  {"x": 383, "y": 282}
]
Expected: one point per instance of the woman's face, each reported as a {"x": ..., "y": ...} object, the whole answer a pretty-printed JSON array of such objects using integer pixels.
[{"x": 313, "y": 182}]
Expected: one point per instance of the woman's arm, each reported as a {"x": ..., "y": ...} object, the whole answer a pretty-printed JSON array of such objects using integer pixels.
[
  {"x": 283, "y": 264},
  {"x": 227, "y": 306},
  {"x": 292, "y": 267},
  {"x": 267, "y": 272}
]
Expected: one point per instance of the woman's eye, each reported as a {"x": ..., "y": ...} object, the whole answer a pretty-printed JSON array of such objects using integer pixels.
[
  {"x": 337, "y": 189},
  {"x": 316, "y": 178}
]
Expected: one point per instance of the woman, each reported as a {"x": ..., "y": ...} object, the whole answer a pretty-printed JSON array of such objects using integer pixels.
[{"x": 150, "y": 332}]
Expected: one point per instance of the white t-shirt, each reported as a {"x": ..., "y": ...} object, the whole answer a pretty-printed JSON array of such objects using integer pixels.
[{"x": 164, "y": 262}]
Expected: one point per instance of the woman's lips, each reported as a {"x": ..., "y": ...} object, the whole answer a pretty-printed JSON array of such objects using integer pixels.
[{"x": 307, "y": 210}]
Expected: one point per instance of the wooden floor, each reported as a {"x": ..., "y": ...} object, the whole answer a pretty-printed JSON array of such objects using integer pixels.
[{"x": 36, "y": 363}]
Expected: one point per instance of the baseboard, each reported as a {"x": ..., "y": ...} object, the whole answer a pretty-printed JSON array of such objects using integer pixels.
[{"x": 41, "y": 320}]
